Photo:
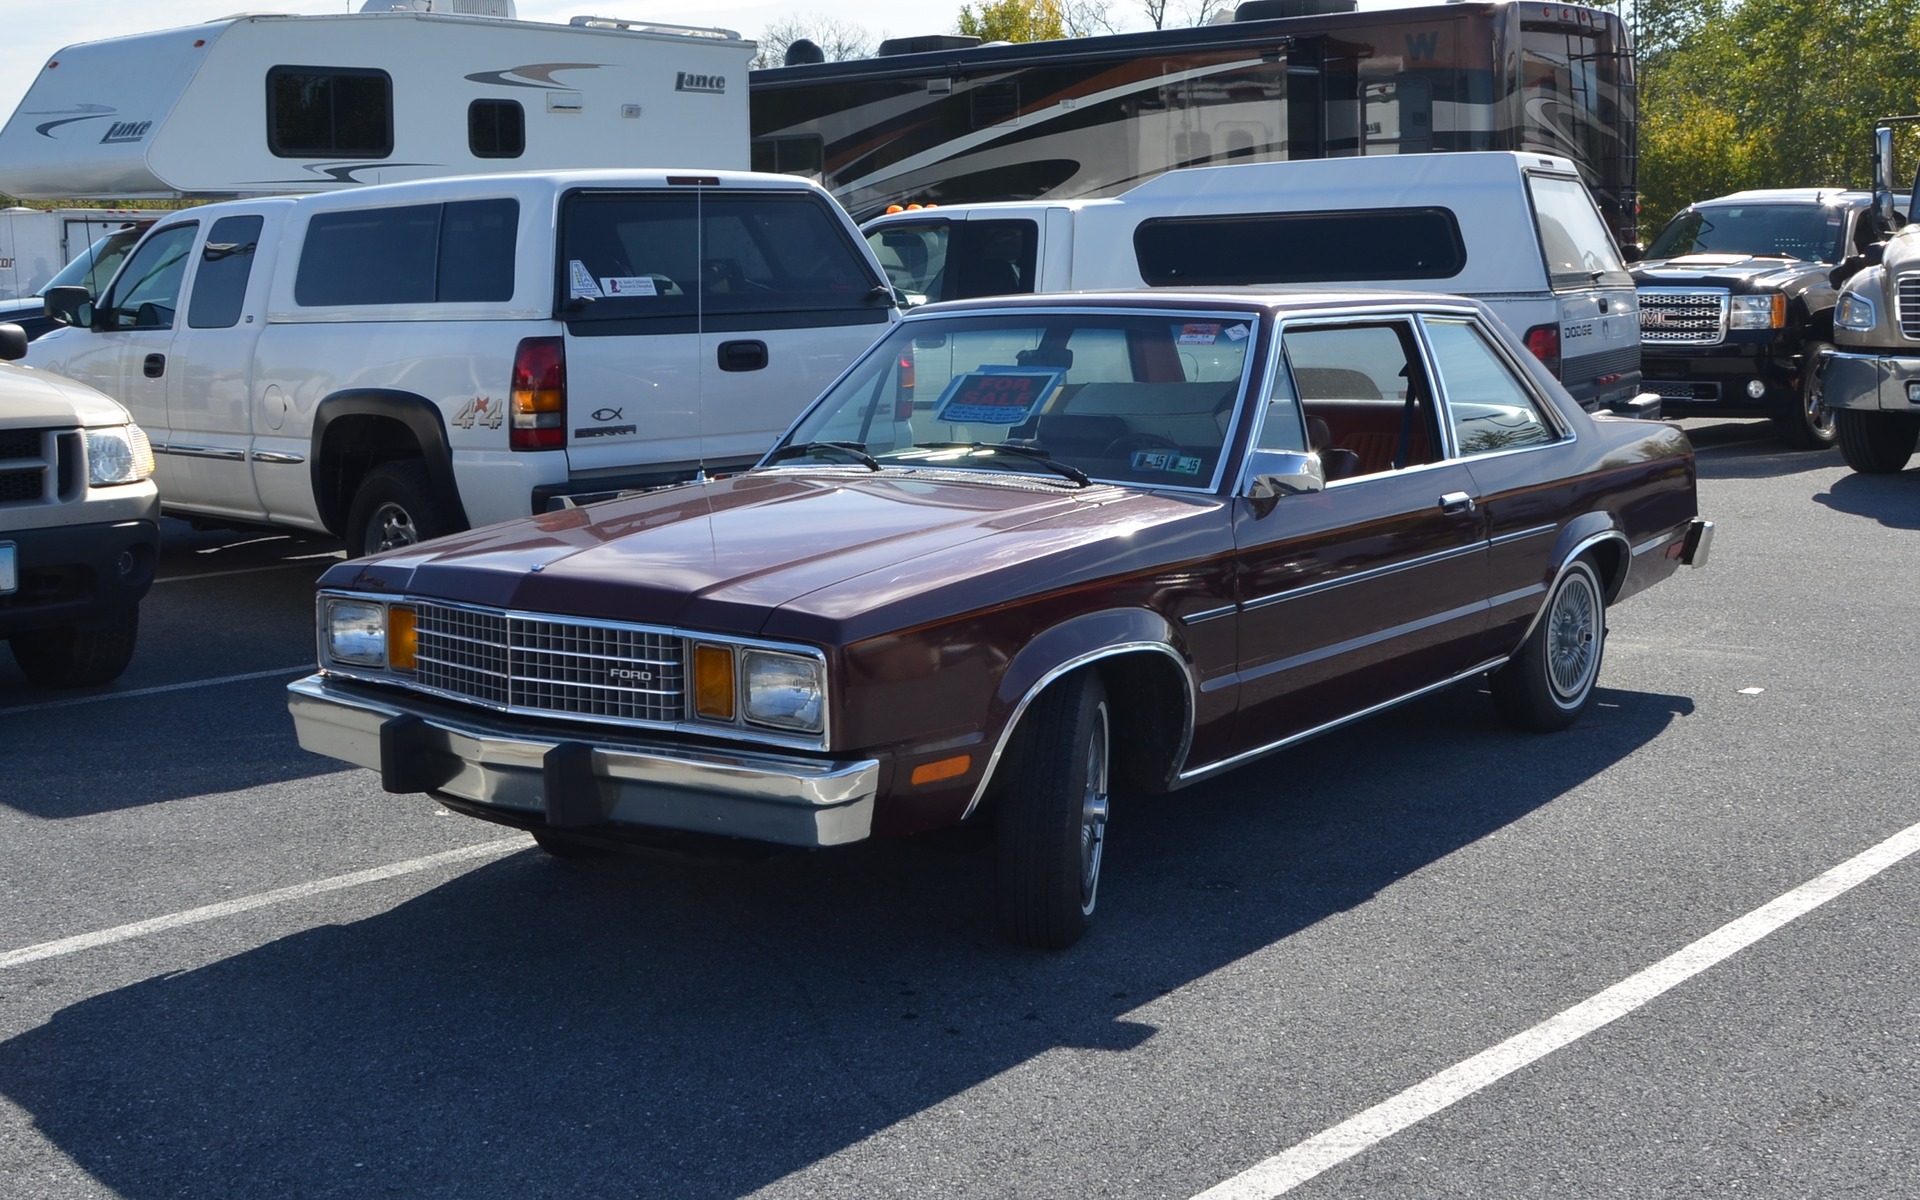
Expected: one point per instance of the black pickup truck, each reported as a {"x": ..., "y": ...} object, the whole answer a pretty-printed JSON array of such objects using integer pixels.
[{"x": 1736, "y": 298}]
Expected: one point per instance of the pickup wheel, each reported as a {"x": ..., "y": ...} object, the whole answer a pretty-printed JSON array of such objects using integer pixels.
[
  {"x": 1876, "y": 443},
  {"x": 1809, "y": 425},
  {"x": 79, "y": 655},
  {"x": 1052, "y": 819},
  {"x": 1549, "y": 683},
  {"x": 396, "y": 506}
]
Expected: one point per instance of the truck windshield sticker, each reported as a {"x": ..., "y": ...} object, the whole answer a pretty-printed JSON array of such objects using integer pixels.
[
  {"x": 1199, "y": 335},
  {"x": 580, "y": 282},
  {"x": 629, "y": 285},
  {"x": 996, "y": 395}
]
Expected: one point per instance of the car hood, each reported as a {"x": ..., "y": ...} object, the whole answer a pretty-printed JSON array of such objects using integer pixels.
[
  {"x": 820, "y": 556},
  {"x": 33, "y": 397},
  {"x": 1741, "y": 273}
]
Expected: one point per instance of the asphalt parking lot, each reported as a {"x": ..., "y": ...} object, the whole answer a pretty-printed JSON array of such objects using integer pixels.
[{"x": 1365, "y": 967}]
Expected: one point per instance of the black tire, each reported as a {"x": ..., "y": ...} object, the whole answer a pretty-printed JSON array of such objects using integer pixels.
[
  {"x": 1810, "y": 424},
  {"x": 1050, "y": 829},
  {"x": 1876, "y": 443},
  {"x": 562, "y": 845},
  {"x": 397, "y": 505},
  {"x": 79, "y": 655},
  {"x": 1550, "y": 681}
]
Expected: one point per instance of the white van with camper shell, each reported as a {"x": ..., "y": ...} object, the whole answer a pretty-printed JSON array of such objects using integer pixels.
[
  {"x": 1518, "y": 231},
  {"x": 397, "y": 362}
]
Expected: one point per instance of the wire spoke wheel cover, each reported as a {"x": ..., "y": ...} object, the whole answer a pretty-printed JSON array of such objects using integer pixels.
[
  {"x": 1573, "y": 638},
  {"x": 1549, "y": 681}
]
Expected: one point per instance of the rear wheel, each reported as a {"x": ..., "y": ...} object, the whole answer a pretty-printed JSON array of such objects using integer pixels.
[
  {"x": 79, "y": 655},
  {"x": 1052, "y": 820},
  {"x": 1877, "y": 443},
  {"x": 1810, "y": 425},
  {"x": 397, "y": 505},
  {"x": 1549, "y": 683}
]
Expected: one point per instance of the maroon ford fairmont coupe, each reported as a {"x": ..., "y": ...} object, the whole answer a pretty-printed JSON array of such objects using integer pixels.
[{"x": 1024, "y": 554}]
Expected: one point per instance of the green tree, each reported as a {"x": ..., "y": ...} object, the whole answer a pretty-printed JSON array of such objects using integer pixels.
[{"x": 1014, "y": 20}]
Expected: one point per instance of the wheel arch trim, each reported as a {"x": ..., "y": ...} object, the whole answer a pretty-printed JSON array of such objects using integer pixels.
[
  {"x": 1608, "y": 589},
  {"x": 421, "y": 417}
]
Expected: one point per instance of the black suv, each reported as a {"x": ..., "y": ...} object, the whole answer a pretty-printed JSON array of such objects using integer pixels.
[{"x": 1737, "y": 296}]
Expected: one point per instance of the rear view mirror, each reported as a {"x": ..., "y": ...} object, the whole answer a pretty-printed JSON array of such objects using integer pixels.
[{"x": 70, "y": 304}]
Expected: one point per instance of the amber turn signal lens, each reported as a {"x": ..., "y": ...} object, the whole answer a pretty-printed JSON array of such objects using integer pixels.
[
  {"x": 946, "y": 768},
  {"x": 713, "y": 682},
  {"x": 403, "y": 638}
]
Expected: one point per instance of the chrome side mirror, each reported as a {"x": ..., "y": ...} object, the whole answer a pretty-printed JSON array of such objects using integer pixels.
[{"x": 1277, "y": 473}]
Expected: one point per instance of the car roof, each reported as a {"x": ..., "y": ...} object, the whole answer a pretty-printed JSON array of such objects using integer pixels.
[
  {"x": 1274, "y": 300},
  {"x": 1831, "y": 195}
]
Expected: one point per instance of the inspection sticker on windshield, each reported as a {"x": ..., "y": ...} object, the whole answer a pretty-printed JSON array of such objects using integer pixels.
[
  {"x": 996, "y": 395},
  {"x": 629, "y": 285},
  {"x": 580, "y": 282},
  {"x": 1199, "y": 335},
  {"x": 1166, "y": 460}
]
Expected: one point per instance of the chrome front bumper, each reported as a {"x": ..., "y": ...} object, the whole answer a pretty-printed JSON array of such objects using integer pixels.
[
  {"x": 604, "y": 780},
  {"x": 1875, "y": 382}
]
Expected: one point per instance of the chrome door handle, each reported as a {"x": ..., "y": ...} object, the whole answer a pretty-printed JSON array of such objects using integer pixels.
[{"x": 1456, "y": 504}]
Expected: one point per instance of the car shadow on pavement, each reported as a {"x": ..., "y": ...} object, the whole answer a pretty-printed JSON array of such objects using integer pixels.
[
  {"x": 1892, "y": 500},
  {"x": 659, "y": 1027},
  {"x": 1751, "y": 450}
]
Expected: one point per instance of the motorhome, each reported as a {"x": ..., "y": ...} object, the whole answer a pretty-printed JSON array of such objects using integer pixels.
[{"x": 262, "y": 104}]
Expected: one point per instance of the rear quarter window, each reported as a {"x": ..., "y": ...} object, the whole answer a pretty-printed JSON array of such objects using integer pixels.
[
  {"x": 1307, "y": 247},
  {"x": 460, "y": 252}
]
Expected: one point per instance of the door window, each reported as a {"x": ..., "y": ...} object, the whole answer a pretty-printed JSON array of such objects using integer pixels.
[
  {"x": 220, "y": 285},
  {"x": 1365, "y": 397},
  {"x": 147, "y": 291}
]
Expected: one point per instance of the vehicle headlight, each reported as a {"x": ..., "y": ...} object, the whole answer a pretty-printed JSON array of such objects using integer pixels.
[
  {"x": 784, "y": 690},
  {"x": 118, "y": 454},
  {"x": 355, "y": 632},
  {"x": 1758, "y": 312},
  {"x": 1855, "y": 312}
]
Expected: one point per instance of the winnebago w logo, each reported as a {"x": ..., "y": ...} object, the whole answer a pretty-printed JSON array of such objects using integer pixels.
[
  {"x": 684, "y": 82},
  {"x": 1421, "y": 47}
]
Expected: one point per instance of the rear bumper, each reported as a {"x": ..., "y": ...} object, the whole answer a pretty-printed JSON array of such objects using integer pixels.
[
  {"x": 1874, "y": 382},
  {"x": 600, "y": 782}
]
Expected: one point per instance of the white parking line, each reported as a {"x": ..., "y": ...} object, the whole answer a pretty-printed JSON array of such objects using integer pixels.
[
  {"x": 309, "y": 564},
  {"x": 1291, "y": 1168},
  {"x": 228, "y": 908},
  {"x": 303, "y": 668}
]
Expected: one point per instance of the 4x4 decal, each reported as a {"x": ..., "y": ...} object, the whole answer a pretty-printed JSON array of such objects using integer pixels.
[{"x": 483, "y": 411}]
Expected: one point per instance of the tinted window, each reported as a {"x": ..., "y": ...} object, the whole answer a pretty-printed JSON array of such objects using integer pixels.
[
  {"x": 220, "y": 285},
  {"x": 790, "y": 155},
  {"x": 1488, "y": 407},
  {"x": 914, "y": 258},
  {"x": 414, "y": 254},
  {"x": 1318, "y": 247},
  {"x": 496, "y": 129},
  {"x": 1578, "y": 247},
  {"x": 329, "y": 111},
  {"x": 698, "y": 251},
  {"x": 147, "y": 290},
  {"x": 996, "y": 258}
]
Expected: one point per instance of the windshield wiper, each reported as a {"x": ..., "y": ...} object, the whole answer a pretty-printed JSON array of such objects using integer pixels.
[
  {"x": 851, "y": 451},
  {"x": 1032, "y": 454}
]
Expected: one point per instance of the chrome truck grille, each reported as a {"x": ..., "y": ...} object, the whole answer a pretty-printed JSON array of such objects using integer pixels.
[
  {"x": 1683, "y": 316},
  {"x": 1906, "y": 306},
  {"x": 560, "y": 667}
]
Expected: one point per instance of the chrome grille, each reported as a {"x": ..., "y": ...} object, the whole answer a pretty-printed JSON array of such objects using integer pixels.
[
  {"x": 552, "y": 665},
  {"x": 1906, "y": 306},
  {"x": 1683, "y": 316}
]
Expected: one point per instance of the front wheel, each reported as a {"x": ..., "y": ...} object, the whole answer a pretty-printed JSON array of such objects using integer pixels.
[
  {"x": 1549, "y": 683},
  {"x": 79, "y": 655},
  {"x": 397, "y": 505},
  {"x": 1809, "y": 425},
  {"x": 1877, "y": 443},
  {"x": 1052, "y": 821}
]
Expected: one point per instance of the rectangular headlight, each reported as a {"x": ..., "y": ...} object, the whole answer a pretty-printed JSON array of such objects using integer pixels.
[
  {"x": 1758, "y": 312},
  {"x": 785, "y": 691},
  {"x": 356, "y": 633},
  {"x": 118, "y": 454}
]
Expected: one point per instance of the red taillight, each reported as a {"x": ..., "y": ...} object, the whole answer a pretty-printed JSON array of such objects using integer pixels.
[
  {"x": 903, "y": 390},
  {"x": 538, "y": 406},
  {"x": 1544, "y": 341}
]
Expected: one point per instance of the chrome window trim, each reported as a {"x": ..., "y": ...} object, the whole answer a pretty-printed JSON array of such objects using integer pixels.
[
  {"x": 739, "y": 727},
  {"x": 1074, "y": 664}
]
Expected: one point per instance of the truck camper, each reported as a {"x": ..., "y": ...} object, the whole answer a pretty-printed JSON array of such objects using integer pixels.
[{"x": 261, "y": 104}]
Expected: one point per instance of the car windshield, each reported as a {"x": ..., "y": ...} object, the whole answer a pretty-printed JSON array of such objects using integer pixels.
[
  {"x": 97, "y": 263},
  {"x": 1140, "y": 398},
  {"x": 1813, "y": 232}
]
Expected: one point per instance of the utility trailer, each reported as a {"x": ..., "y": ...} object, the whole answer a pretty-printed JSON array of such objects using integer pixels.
[
  {"x": 35, "y": 242},
  {"x": 403, "y": 89}
]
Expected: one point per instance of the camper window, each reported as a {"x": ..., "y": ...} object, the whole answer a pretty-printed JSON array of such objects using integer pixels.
[
  {"x": 344, "y": 112},
  {"x": 496, "y": 129},
  {"x": 1303, "y": 247}
]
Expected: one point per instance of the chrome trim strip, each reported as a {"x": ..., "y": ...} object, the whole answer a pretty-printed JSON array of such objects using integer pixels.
[
  {"x": 1225, "y": 610},
  {"x": 1523, "y": 534},
  {"x": 1199, "y": 773},
  {"x": 1073, "y": 664},
  {"x": 1654, "y": 544},
  {"x": 183, "y": 450},
  {"x": 1363, "y": 576},
  {"x": 279, "y": 457},
  {"x": 1370, "y": 639}
]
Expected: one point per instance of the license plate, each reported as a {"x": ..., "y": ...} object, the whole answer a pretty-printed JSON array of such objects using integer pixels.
[{"x": 9, "y": 569}]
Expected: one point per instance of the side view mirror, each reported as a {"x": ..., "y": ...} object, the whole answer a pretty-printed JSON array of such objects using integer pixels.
[
  {"x": 1278, "y": 473},
  {"x": 13, "y": 342},
  {"x": 70, "y": 304},
  {"x": 1632, "y": 252}
]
